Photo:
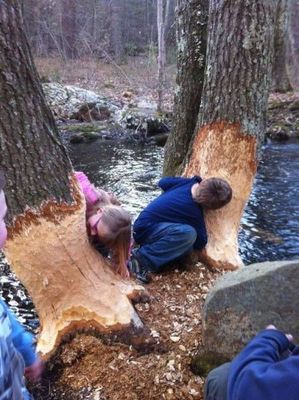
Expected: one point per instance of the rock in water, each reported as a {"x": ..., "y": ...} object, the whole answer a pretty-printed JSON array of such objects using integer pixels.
[{"x": 244, "y": 302}]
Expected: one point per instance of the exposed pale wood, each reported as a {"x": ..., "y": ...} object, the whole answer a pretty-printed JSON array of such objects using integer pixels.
[
  {"x": 221, "y": 150},
  {"x": 232, "y": 114},
  {"x": 71, "y": 285}
]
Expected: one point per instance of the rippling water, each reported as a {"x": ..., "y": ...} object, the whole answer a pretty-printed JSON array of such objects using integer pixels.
[
  {"x": 130, "y": 171},
  {"x": 270, "y": 225}
]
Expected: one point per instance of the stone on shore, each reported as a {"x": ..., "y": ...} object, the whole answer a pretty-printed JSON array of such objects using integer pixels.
[
  {"x": 244, "y": 302},
  {"x": 67, "y": 101}
]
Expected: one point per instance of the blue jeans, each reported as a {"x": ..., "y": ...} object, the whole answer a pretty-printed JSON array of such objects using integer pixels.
[
  {"x": 167, "y": 242},
  {"x": 216, "y": 383}
]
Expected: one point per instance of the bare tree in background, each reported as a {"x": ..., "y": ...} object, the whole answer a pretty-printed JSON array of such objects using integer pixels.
[
  {"x": 162, "y": 21},
  {"x": 281, "y": 82},
  {"x": 116, "y": 30},
  {"x": 73, "y": 28},
  {"x": 293, "y": 50},
  {"x": 69, "y": 28}
]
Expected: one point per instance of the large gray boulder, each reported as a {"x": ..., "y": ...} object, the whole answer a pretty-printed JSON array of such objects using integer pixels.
[
  {"x": 245, "y": 301},
  {"x": 66, "y": 101}
]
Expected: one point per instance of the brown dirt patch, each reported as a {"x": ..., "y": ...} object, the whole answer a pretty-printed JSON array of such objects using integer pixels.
[{"x": 87, "y": 368}]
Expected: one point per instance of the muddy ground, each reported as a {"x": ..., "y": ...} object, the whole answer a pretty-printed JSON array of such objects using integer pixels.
[{"x": 87, "y": 368}]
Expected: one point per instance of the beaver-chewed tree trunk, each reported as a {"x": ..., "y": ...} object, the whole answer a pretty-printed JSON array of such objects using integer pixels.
[
  {"x": 191, "y": 38},
  {"x": 232, "y": 114},
  {"x": 70, "y": 283}
]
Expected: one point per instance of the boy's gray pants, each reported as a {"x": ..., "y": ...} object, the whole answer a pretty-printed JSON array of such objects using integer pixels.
[{"x": 216, "y": 383}]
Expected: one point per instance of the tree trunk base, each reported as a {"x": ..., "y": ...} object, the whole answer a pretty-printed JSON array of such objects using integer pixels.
[
  {"x": 72, "y": 286},
  {"x": 222, "y": 150}
]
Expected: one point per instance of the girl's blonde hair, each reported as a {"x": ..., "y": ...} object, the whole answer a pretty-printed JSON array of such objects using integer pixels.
[{"x": 118, "y": 238}]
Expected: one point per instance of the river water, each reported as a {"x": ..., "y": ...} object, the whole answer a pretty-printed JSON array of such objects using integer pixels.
[{"x": 269, "y": 228}]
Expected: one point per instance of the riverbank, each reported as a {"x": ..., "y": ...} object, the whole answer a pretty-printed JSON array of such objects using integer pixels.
[{"x": 94, "y": 100}]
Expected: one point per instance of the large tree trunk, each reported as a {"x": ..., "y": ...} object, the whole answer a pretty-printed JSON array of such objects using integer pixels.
[
  {"x": 191, "y": 36},
  {"x": 70, "y": 284},
  {"x": 232, "y": 114},
  {"x": 281, "y": 82}
]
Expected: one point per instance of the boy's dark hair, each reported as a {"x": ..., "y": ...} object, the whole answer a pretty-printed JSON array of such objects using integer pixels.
[
  {"x": 213, "y": 193},
  {"x": 2, "y": 181}
]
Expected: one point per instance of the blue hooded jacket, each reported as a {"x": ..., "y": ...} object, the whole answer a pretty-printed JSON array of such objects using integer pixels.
[
  {"x": 259, "y": 373},
  {"x": 16, "y": 352},
  {"x": 174, "y": 205}
]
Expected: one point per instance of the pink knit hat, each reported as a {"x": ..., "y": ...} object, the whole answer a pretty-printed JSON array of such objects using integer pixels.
[{"x": 90, "y": 192}]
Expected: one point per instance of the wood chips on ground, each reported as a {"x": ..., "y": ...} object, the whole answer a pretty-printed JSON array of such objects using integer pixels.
[{"x": 89, "y": 369}]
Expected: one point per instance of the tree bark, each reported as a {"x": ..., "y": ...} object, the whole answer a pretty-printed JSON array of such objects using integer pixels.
[
  {"x": 281, "y": 82},
  {"x": 162, "y": 18},
  {"x": 71, "y": 285},
  {"x": 232, "y": 114},
  {"x": 293, "y": 49},
  {"x": 191, "y": 36}
]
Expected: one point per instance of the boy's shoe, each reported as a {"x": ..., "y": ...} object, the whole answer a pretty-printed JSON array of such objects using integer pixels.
[{"x": 136, "y": 269}]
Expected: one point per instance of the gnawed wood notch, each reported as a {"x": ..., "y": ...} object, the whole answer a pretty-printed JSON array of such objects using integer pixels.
[
  {"x": 70, "y": 283},
  {"x": 221, "y": 149}
]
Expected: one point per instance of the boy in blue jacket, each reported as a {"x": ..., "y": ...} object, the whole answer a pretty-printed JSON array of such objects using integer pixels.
[
  {"x": 266, "y": 369},
  {"x": 172, "y": 225},
  {"x": 17, "y": 354}
]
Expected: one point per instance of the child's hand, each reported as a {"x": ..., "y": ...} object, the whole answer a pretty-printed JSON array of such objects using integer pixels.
[
  {"x": 288, "y": 335},
  {"x": 113, "y": 199},
  {"x": 124, "y": 272},
  {"x": 34, "y": 371}
]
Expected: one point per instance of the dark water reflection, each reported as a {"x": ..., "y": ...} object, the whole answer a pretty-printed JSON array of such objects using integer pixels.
[
  {"x": 130, "y": 171},
  {"x": 270, "y": 226}
]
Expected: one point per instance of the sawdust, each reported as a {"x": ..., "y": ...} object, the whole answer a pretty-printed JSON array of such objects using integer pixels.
[{"x": 87, "y": 368}]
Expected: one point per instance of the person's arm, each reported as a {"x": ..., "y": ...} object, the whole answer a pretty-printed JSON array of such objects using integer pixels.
[
  {"x": 22, "y": 340},
  {"x": 170, "y": 181},
  {"x": 202, "y": 236},
  {"x": 258, "y": 373}
]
